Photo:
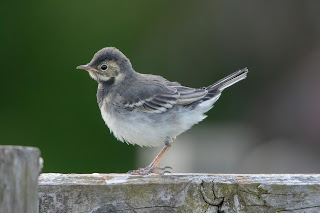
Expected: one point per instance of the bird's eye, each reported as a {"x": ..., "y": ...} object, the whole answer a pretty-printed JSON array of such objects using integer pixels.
[{"x": 104, "y": 67}]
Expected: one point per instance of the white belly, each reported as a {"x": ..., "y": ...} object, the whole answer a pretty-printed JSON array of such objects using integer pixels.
[
  {"x": 148, "y": 130},
  {"x": 132, "y": 130}
]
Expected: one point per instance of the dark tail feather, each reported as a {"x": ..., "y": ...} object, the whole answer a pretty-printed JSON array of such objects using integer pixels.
[{"x": 229, "y": 80}]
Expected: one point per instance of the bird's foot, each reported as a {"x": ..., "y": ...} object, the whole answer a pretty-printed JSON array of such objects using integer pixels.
[{"x": 151, "y": 170}]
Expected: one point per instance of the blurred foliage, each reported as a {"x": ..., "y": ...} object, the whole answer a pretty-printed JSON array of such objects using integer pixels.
[{"x": 47, "y": 103}]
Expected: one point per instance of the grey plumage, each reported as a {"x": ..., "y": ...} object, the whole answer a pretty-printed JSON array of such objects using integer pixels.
[{"x": 149, "y": 110}]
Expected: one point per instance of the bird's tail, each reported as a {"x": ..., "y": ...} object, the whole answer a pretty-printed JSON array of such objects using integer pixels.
[{"x": 229, "y": 80}]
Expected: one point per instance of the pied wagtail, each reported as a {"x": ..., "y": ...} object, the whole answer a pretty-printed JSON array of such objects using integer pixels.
[{"x": 149, "y": 110}]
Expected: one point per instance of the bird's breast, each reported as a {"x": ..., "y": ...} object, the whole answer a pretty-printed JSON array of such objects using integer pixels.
[{"x": 131, "y": 126}]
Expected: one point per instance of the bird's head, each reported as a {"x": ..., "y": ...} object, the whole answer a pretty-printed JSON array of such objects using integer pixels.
[{"x": 108, "y": 63}]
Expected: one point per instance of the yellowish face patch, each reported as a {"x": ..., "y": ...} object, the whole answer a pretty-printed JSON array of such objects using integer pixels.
[
  {"x": 105, "y": 71},
  {"x": 113, "y": 69}
]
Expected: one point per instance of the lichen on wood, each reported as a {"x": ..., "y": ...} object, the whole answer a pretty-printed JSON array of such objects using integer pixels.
[{"x": 98, "y": 193}]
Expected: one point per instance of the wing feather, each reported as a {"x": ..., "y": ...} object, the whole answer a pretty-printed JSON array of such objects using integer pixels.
[
  {"x": 157, "y": 97},
  {"x": 190, "y": 95}
]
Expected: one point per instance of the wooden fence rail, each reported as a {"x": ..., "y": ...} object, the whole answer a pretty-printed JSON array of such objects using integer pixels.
[
  {"x": 20, "y": 190},
  {"x": 97, "y": 193}
]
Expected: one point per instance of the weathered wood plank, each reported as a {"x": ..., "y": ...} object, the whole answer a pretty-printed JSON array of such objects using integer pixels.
[
  {"x": 19, "y": 172},
  {"x": 98, "y": 193}
]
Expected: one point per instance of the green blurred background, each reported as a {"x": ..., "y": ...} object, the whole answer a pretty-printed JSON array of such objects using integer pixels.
[{"x": 47, "y": 103}]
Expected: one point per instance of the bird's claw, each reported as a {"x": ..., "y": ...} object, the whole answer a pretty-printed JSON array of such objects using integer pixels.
[
  {"x": 163, "y": 168},
  {"x": 167, "y": 172},
  {"x": 143, "y": 171},
  {"x": 151, "y": 170}
]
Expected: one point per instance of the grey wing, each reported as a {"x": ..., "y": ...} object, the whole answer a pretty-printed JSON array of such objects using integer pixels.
[
  {"x": 158, "y": 98},
  {"x": 189, "y": 95}
]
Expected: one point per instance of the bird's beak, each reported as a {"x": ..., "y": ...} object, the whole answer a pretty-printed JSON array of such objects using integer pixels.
[{"x": 83, "y": 67}]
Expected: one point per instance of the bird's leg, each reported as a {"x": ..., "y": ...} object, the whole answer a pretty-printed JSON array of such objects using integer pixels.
[
  {"x": 153, "y": 165},
  {"x": 157, "y": 159}
]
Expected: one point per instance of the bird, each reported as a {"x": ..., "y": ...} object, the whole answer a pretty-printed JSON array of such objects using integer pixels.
[{"x": 149, "y": 110}]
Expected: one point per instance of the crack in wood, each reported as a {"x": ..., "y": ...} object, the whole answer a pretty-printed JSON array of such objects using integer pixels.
[{"x": 217, "y": 201}]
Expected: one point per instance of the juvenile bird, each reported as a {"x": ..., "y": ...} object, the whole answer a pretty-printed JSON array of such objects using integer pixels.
[{"x": 149, "y": 110}]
